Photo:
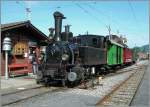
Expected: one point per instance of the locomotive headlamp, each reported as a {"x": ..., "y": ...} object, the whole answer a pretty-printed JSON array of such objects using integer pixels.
[
  {"x": 93, "y": 70},
  {"x": 65, "y": 57}
]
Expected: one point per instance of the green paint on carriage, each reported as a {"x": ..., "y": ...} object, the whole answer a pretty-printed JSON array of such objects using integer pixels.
[{"x": 114, "y": 54}]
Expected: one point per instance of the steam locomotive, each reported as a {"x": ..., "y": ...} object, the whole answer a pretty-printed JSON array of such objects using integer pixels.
[{"x": 71, "y": 59}]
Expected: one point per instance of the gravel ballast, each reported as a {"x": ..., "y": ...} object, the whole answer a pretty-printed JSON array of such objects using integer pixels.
[{"x": 75, "y": 97}]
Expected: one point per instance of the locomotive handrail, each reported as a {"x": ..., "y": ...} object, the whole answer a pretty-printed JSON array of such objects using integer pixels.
[{"x": 72, "y": 54}]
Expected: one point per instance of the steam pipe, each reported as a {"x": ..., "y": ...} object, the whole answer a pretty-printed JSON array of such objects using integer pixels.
[
  {"x": 67, "y": 30},
  {"x": 51, "y": 35}
]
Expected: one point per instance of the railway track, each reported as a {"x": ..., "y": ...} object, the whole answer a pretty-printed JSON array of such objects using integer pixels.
[
  {"x": 91, "y": 83},
  {"x": 124, "y": 70},
  {"x": 123, "y": 93},
  {"x": 14, "y": 97},
  {"x": 20, "y": 95}
]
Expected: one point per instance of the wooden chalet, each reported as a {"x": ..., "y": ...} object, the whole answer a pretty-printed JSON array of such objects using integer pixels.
[{"x": 26, "y": 38}]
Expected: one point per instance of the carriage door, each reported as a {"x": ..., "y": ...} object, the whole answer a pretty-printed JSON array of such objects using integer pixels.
[{"x": 117, "y": 51}]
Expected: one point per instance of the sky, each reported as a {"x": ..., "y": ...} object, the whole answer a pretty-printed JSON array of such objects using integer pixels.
[{"x": 129, "y": 18}]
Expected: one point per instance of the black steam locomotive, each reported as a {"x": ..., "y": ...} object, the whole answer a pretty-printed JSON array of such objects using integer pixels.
[
  {"x": 60, "y": 56},
  {"x": 71, "y": 59}
]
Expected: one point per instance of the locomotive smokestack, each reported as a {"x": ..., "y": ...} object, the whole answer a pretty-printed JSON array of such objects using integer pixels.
[
  {"x": 67, "y": 30},
  {"x": 51, "y": 35},
  {"x": 58, "y": 25}
]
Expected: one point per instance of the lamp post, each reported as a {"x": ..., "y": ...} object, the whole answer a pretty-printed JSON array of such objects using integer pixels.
[{"x": 6, "y": 48}]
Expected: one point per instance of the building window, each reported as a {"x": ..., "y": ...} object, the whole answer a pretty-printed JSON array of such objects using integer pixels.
[{"x": 20, "y": 48}]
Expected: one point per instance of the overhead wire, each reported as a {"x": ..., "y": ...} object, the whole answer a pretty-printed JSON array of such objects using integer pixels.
[
  {"x": 114, "y": 21},
  {"x": 134, "y": 16},
  {"x": 98, "y": 11},
  {"x": 133, "y": 13},
  {"x": 91, "y": 15},
  {"x": 106, "y": 15}
]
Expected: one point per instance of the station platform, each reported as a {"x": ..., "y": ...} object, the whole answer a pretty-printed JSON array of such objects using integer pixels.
[
  {"x": 141, "y": 97},
  {"x": 18, "y": 83}
]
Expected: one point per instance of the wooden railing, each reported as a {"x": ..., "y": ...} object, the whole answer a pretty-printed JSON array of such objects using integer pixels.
[{"x": 17, "y": 69}]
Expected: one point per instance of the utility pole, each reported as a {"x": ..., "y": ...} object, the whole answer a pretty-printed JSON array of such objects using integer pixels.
[
  {"x": 87, "y": 32},
  {"x": 109, "y": 31},
  {"x": 28, "y": 13},
  {"x": 28, "y": 10}
]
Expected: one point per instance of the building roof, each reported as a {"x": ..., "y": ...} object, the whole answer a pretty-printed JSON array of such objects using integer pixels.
[
  {"x": 8, "y": 25},
  {"x": 24, "y": 25},
  {"x": 113, "y": 42}
]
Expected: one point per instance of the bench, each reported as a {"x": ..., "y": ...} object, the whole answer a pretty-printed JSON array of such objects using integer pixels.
[{"x": 17, "y": 69}]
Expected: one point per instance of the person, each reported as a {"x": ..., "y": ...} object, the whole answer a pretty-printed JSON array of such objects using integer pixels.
[
  {"x": 41, "y": 57},
  {"x": 34, "y": 63}
]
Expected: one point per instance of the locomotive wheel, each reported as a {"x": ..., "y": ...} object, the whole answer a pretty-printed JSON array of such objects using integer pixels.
[
  {"x": 72, "y": 84},
  {"x": 72, "y": 76},
  {"x": 39, "y": 75},
  {"x": 46, "y": 82}
]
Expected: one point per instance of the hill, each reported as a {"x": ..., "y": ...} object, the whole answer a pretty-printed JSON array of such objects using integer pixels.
[{"x": 144, "y": 48}]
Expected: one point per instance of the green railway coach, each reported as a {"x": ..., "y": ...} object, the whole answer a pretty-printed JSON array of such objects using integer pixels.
[{"x": 114, "y": 53}]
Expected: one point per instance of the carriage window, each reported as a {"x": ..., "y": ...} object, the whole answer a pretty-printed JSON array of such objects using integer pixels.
[
  {"x": 104, "y": 43},
  {"x": 94, "y": 41},
  {"x": 79, "y": 41}
]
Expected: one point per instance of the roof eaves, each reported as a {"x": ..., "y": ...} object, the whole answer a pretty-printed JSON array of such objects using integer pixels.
[
  {"x": 13, "y": 25},
  {"x": 31, "y": 25},
  {"x": 113, "y": 42},
  {"x": 5, "y": 27}
]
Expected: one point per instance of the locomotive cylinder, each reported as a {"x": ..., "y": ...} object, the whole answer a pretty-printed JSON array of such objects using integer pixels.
[{"x": 58, "y": 25}]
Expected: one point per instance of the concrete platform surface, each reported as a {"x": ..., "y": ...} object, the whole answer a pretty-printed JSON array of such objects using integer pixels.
[
  {"x": 17, "y": 84},
  {"x": 141, "y": 97}
]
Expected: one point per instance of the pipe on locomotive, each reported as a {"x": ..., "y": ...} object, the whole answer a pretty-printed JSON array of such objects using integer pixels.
[
  {"x": 58, "y": 25},
  {"x": 51, "y": 35},
  {"x": 67, "y": 30}
]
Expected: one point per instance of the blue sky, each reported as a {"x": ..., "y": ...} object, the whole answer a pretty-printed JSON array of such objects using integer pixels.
[{"x": 129, "y": 17}]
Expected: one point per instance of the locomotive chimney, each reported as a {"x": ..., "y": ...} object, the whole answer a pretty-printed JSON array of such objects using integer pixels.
[
  {"x": 58, "y": 25},
  {"x": 67, "y": 30},
  {"x": 51, "y": 35}
]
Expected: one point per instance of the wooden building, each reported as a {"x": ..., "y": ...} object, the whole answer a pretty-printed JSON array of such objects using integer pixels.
[
  {"x": 142, "y": 56},
  {"x": 26, "y": 39}
]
